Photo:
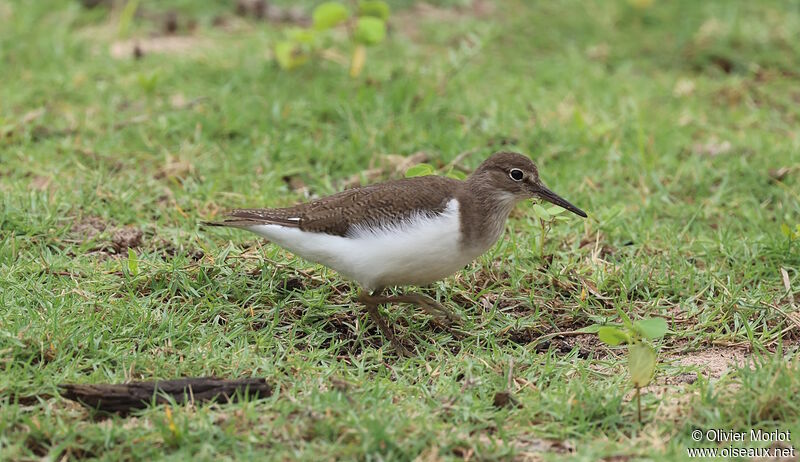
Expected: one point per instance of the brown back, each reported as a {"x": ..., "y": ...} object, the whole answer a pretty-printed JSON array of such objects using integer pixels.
[{"x": 382, "y": 204}]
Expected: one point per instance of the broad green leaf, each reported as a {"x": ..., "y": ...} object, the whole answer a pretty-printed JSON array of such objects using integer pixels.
[
  {"x": 301, "y": 35},
  {"x": 592, "y": 329},
  {"x": 289, "y": 55},
  {"x": 541, "y": 212},
  {"x": 133, "y": 262},
  {"x": 651, "y": 328},
  {"x": 641, "y": 364},
  {"x": 328, "y": 15},
  {"x": 370, "y": 31},
  {"x": 456, "y": 174},
  {"x": 612, "y": 336},
  {"x": 375, "y": 8},
  {"x": 420, "y": 170},
  {"x": 555, "y": 210}
]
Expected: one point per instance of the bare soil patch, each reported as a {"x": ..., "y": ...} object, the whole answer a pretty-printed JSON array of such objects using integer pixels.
[
  {"x": 118, "y": 241},
  {"x": 408, "y": 21},
  {"x": 714, "y": 362},
  {"x": 166, "y": 44}
]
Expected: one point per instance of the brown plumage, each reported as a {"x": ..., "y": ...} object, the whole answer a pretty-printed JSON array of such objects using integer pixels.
[
  {"x": 376, "y": 205},
  {"x": 484, "y": 197}
]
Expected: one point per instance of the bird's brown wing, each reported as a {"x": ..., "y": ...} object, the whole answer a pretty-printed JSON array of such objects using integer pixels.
[{"x": 382, "y": 204}]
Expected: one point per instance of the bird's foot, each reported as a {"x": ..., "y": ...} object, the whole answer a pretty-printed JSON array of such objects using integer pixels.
[
  {"x": 429, "y": 305},
  {"x": 442, "y": 316},
  {"x": 437, "y": 309},
  {"x": 372, "y": 308}
]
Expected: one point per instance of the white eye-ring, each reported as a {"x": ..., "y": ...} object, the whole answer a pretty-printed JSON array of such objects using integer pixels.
[{"x": 516, "y": 174}]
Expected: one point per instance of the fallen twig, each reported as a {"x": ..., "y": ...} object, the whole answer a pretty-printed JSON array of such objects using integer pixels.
[{"x": 123, "y": 398}]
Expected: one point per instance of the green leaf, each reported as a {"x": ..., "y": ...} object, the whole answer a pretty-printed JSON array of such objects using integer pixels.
[
  {"x": 541, "y": 212},
  {"x": 375, "y": 8},
  {"x": 420, "y": 170},
  {"x": 612, "y": 336},
  {"x": 787, "y": 230},
  {"x": 651, "y": 328},
  {"x": 133, "y": 262},
  {"x": 289, "y": 55},
  {"x": 300, "y": 35},
  {"x": 370, "y": 31},
  {"x": 328, "y": 15},
  {"x": 641, "y": 364},
  {"x": 148, "y": 82},
  {"x": 456, "y": 174},
  {"x": 555, "y": 210},
  {"x": 592, "y": 329},
  {"x": 626, "y": 320}
]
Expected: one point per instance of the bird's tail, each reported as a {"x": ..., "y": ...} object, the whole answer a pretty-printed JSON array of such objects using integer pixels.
[{"x": 229, "y": 223}]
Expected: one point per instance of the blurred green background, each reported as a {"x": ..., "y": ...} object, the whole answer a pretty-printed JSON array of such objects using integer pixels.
[{"x": 674, "y": 124}]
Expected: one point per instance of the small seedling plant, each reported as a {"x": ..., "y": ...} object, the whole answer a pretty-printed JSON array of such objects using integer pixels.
[
  {"x": 642, "y": 357},
  {"x": 547, "y": 218},
  {"x": 366, "y": 26},
  {"x": 792, "y": 234}
]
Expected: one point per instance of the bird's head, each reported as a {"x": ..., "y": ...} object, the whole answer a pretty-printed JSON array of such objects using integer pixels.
[{"x": 516, "y": 178}]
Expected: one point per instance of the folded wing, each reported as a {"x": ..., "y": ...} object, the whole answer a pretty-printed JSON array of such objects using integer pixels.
[{"x": 379, "y": 205}]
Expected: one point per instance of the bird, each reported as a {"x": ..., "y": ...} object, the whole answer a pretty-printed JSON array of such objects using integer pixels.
[{"x": 405, "y": 232}]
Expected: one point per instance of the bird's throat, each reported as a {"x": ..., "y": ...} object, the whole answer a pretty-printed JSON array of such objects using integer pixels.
[{"x": 484, "y": 211}]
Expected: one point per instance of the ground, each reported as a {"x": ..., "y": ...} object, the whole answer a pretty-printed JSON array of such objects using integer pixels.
[{"x": 674, "y": 124}]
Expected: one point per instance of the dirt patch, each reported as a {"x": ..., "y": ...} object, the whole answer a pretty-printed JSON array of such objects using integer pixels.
[
  {"x": 714, "y": 362},
  {"x": 40, "y": 182},
  {"x": 408, "y": 21},
  {"x": 528, "y": 448},
  {"x": 169, "y": 250},
  {"x": 88, "y": 227},
  {"x": 118, "y": 240},
  {"x": 264, "y": 10},
  {"x": 175, "y": 168},
  {"x": 126, "y": 238},
  {"x": 712, "y": 148},
  {"x": 296, "y": 184},
  {"x": 587, "y": 345},
  {"x": 168, "y": 44},
  {"x": 779, "y": 174}
]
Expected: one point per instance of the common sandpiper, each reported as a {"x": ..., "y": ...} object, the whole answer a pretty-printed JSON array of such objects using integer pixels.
[{"x": 408, "y": 232}]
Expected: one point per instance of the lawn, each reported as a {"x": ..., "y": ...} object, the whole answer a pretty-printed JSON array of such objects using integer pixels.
[{"x": 675, "y": 125}]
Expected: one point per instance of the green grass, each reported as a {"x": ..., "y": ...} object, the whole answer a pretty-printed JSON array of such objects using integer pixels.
[{"x": 668, "y": 123}]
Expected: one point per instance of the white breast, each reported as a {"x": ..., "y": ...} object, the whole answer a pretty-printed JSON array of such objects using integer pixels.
[{"x": 418, "y": 251}]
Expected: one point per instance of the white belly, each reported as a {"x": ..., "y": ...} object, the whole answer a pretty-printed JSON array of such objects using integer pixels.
[{"x": 419, "y": 251}]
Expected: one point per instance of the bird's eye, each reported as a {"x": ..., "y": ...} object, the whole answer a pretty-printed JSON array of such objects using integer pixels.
[{"x": 516, "y": 174}]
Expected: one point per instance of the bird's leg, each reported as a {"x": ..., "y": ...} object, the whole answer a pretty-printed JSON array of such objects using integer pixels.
[
  {"x": 371, "y": 302},
  {"x": 428, "y": 305}
]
